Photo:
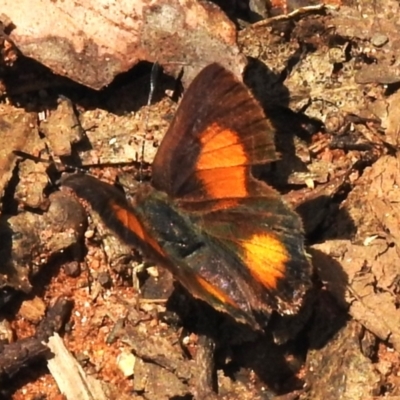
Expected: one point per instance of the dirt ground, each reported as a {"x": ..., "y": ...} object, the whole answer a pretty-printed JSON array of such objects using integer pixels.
[{"x": 83, "y": 314}]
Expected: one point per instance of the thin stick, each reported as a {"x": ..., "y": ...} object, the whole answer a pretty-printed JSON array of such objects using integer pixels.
[
  {"x": 153, "y": 80},
  {"x": 295, "y": 13}
]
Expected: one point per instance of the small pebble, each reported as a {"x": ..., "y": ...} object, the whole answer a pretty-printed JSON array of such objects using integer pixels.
[
  {"x": 6, "y": 332},
  {"x": 379, "y": 40},
  {"x": 33, "y": 310},
  {"x": 89, "y": 233},
  {"x": 104, "y": 279},
  {"x": 72, "y": 269},
  {"x": 126, "y": 363},
  {"x": 153, "y": 271}
]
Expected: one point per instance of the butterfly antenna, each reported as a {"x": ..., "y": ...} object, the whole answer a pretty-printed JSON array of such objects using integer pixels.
[
  {"x": 50, "y": 161},
  {"x": 153, "y": 80}
]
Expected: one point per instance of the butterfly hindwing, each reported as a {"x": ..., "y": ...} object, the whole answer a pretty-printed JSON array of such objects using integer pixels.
[{"x": 266, "y": 238}]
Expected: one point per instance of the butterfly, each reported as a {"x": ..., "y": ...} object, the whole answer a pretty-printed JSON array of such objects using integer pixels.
[{"x": 227, "y": 237}]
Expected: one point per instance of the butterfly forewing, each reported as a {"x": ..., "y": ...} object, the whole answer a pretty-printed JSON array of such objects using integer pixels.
[{"x": 218, "y": 125}]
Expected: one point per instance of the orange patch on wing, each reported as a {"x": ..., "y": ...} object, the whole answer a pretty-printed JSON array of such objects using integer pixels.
[
  {"x": 220, "y": 148},
  {"x": 265, "y": 257},
  {"x": 130, "y": 222},
  {"x": 222, "y": 163},
  {"x": 215, "y": 292},
  {"x": 225, "y": 182}
]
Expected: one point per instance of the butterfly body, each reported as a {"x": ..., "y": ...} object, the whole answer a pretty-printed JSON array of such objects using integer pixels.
[{"x": 227, "y": 237}]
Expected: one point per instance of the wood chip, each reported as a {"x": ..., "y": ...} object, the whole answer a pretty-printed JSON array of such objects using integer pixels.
[{"x": 69, "y": 375}]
